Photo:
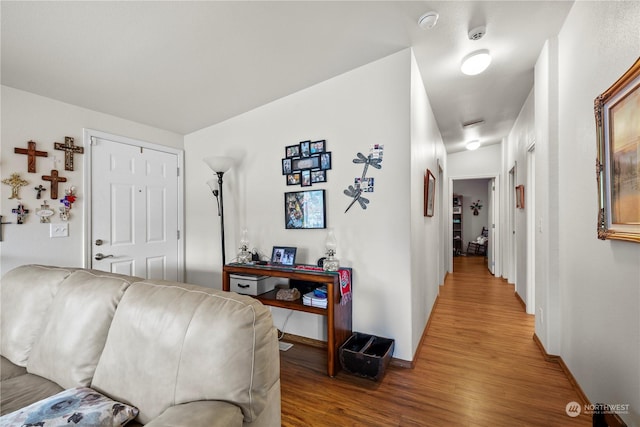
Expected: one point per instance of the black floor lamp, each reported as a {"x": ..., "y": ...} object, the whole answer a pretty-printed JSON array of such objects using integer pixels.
[{"x": 219, "y": 165}]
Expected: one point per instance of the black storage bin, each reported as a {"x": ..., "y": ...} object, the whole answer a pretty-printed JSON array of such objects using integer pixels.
[{"x": 366, "y": 355}]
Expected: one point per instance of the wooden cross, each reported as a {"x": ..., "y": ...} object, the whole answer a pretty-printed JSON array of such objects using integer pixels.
[
  {"x": 31, "y": 153},
  {"x": 15, "y": 182},
  {"x": 39, "y": 189},
  {"x": 55, "y": 179},
  {"x": 21, "y": 212},
  {"x": 69, "y": 150}
]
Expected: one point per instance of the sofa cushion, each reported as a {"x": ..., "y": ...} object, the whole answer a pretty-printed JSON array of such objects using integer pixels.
[
  {"x": 18, "y": 392},
  {"x": 25, "y": 296},
  {"x": 69, "y": 346},
  {"x": 185, "y": 343},
  {"x": 10, "y": 370},
  {"x": 78, "y": 406}
]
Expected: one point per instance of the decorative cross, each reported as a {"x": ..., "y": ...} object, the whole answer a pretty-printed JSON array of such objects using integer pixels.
[
  {"x": 31, "y": 153},
  {"x": 15, "y": 182},
  {"x": 21, "y": 212},
  {"x": 39, "y": 189},
  {"x": 55, "y": 179},
  {"x": 1, "y": 224},
  {"x": 69, "y": 150}
]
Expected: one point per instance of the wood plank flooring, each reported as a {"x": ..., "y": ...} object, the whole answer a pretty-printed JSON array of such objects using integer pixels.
[{"x": 478, "y": 366}]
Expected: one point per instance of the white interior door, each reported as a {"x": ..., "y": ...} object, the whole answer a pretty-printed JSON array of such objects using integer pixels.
[
  {"x": 134, "y": 212},
  {"x": 491, "y": 226}
]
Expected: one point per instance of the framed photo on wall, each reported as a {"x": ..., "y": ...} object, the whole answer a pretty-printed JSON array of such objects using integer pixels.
[
  {"x": 305, "y": 209},
  {"x": 617, "y": 112},
  {"x": 520, "y": 196},
  {"x": 429, "y": 193}
]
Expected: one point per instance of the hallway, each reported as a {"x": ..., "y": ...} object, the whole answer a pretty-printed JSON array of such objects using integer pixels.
[{"x": 478, "y": 366}]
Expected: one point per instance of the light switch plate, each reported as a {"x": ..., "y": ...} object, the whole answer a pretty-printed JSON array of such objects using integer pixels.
[{"x": 60, "y": 229}]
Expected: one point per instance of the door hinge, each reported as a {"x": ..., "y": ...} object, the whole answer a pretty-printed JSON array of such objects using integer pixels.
[
  {"x": 178, "y": 171},
  {"x": 178, "y": 234}
]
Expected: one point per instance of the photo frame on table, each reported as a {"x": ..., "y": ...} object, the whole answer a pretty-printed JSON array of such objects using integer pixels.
[
  {"x": 429, "y": 194},
  {"x": 520, "y": 196},
  {"x": 305, "y": 209},
  {"x": 617, "y": 113}
]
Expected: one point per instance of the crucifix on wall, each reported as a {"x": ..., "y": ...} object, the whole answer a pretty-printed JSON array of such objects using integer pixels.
[
  {"x": 21, "y": 213},
  {"x": 69, "y": 150},
  {"x": 55, "y": 179},
  {"x": 31, "y": 153}
]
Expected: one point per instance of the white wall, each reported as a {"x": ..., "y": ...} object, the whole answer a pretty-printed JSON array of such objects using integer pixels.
[
  {"x": 483, "y": 162},
  {"x": 600, "y": 280},
  {"x": 428, "y": 251},
  {"x": 521, "y": 137},
  {"x": 25, "y": 117},
  {"x": 587, "y": 290},
  {"x": 351, "y": 112}
]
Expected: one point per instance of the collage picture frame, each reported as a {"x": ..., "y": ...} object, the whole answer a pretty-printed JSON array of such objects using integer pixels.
[{"x": 306, "y": 163}]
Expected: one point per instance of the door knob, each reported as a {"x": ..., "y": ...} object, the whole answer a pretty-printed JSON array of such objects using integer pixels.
[
  {"x": 100, "y": 256},
  {"x": 99, "y": 242}
]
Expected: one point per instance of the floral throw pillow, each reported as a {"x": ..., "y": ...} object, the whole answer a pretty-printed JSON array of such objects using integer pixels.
[{"x": 80, "y": 406}]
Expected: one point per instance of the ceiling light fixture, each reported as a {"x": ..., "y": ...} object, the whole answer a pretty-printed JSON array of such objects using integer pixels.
[
  {"x": 476, "y": 62},
  {"x": 428, "y": 20},
  {"x": 473, "y": 145}
]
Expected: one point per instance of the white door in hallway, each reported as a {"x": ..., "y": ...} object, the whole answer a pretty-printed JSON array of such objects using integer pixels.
[{"x": 134, "y": 210}]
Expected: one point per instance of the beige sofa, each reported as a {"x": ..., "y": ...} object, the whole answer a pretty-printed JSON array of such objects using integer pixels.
[{"x": 184, "y": 355}]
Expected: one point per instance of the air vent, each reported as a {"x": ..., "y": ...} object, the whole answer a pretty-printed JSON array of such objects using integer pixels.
[{"x": 473, "y": 123}]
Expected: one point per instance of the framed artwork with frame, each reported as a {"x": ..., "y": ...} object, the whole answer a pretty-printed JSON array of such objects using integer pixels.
[
  {"x": 305, "y": 148},
  {"x": 617, "y": 114},
  {"x": 316, "y": 147},
  {"x": 520, "y": 196},
  {"x": 293, "y": 178},
  {"x": 286, "y": 166},
  {"x": 292, "y": 150},
  {"x": 304, "y": 161},
  {"x": 318, "y": 176},
  {"x": 429, "y": 193},
  {"x": 305, "y": 209}
]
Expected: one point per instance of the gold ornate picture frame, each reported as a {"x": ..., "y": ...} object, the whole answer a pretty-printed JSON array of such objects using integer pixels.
[{"x": 617, "y": 114}]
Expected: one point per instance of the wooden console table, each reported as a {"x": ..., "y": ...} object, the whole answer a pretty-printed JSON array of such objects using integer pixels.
[{"x": 338, "y": 316}]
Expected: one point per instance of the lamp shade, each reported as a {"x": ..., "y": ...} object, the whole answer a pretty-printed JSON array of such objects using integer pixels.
[
  {"x": 213, "y": 184},
  {"x": 219, "y": 163}
]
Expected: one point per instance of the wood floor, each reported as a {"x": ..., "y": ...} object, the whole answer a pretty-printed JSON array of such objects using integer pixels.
[{"x": 478, "y": 366}]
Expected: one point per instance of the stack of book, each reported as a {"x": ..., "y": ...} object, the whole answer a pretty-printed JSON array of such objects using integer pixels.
[{"x": 316, "y": 298}]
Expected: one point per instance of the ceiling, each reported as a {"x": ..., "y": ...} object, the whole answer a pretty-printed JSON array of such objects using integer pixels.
[{"x": 183, "y": 66}]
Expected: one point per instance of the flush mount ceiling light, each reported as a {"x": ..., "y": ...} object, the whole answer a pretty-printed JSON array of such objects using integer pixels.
[
  {"x": 428, "y": 20},
  {"x": 473, "y": 145},
  {"x": 476, "y": 62}
]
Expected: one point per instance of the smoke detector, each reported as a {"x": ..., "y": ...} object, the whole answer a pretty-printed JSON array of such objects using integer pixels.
[
  {"x": 477, "y": 33},
  {"x": 428, "y": 20}
]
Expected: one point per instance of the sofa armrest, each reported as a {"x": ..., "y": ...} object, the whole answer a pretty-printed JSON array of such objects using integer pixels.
[{"x": 207, "y": 413}]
